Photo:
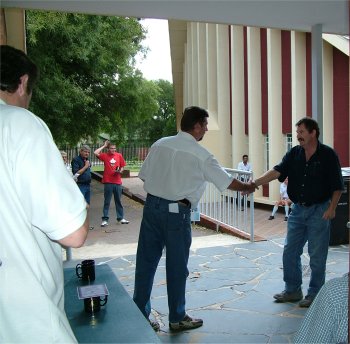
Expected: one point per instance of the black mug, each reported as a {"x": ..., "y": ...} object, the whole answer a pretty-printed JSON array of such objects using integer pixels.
[
  {"x": 93, "y": 304},
  {"x": 86, "y": 270}
]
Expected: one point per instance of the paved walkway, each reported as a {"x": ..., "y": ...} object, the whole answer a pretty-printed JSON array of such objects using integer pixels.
[{"x": 231, "y": 281}]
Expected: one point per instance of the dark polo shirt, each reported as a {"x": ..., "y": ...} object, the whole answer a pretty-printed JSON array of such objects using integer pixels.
[{"x": 313, "y": 181}]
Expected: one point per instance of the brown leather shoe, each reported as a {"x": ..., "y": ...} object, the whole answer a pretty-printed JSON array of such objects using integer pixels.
[
  {"x": 306, "y": 303},
  {"x": 288, "y": 297}
]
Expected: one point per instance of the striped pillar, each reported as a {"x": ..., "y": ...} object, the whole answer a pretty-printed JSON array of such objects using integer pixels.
[
  {"x": 276, "y": 139},
  {"x": 255, "y": 138},
  {"x": 239, "y": 138}
]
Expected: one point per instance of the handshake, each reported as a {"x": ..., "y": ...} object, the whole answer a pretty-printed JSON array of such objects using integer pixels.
[{"x": 249, "y": 187}]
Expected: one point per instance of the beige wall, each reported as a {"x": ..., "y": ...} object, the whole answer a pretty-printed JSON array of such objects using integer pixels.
[{"x": 12, "y": 28}]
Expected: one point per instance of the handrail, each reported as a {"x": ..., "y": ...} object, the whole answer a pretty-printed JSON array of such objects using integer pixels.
[{"x": 230, "y": 207}]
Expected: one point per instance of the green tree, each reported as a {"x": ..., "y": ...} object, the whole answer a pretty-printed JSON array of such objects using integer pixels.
[
  {"x": 88, "y": 83},
  {"x": 161, "y": 122}
]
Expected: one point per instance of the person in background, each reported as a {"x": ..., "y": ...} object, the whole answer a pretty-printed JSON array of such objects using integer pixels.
[
  {"x": 81, "y": 170},
  {"x": 38, "y": 215},
  {"x": 65, "y": 161},
  {"x": 327, "y": 320},
  {"x": 244, "y": 165},
  {"x": 315, "y": 184},
  {"x": 175, "y": 173},
  {"x": 284, "y": 201},
  {"x": 114, "y": 164},
  {"x": 81, "y": 167}
]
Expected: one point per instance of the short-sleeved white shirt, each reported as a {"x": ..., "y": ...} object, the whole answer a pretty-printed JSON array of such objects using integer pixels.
[
  {"x": 283, "y": 191},
  {"x": 178, "y": 167},
  {"x": 39, "y": 203}
]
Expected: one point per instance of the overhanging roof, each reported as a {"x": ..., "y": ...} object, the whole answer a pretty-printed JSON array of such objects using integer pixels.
[{"x": 299, "y": 15}]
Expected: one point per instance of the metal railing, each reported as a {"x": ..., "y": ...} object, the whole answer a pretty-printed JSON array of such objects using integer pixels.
[{"x": 230, "y": 208}]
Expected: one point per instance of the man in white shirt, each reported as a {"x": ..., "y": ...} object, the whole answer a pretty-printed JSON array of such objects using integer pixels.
[
  {"x": 244, "y": 165},
  {"x": 38, "y": 214},
  {"x": 175, "y": 173}
]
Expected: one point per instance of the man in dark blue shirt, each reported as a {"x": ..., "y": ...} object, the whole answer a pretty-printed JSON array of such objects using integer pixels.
[
  {"x": 315, "y": 185},
  {"x": 82, "y": 168}
]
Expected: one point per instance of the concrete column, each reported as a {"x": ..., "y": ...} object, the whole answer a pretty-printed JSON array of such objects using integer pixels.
[
  {"x": 298, "y": 79},
  {"x": 239, "y": 146},
  {"x": 212, "y": 81},
  {"x": 276, "y": 138},
  {"x": 223, "y": 96},
  {"x": 218, "y": 137},
  {"x": 255, "y": 137},
  {"x": 186, "y": 89},
  {"x": 328, "y": 124},
  {"x": 189, "y": 65},
  {"x": 317, "y": 76},
  {"x": 194, "y": 63},
  {"x": 13, "y": 28},
  {"x": 202, "y": 65}
]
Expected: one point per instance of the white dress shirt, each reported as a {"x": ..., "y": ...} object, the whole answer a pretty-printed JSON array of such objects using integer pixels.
[
  {"x": 243, "y": 167},
  {"x": 178, "y": 167}
]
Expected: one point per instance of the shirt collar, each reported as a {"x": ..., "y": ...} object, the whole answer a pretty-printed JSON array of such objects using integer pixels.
[
  {"x": 186, "y": 136},
  {"x": 2, "y": 102}
]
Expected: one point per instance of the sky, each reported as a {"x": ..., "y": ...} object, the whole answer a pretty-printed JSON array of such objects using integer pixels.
[{"x": 157, "y": 64}]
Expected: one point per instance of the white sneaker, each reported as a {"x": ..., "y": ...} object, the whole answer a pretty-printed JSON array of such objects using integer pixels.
[
  {"x": 104, "y": 223},
  {"x": 123, "y": 221}
]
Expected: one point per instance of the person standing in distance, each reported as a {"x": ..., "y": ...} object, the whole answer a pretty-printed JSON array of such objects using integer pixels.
[
  {"x": 315, "y": 184},
  {"x": 114, "y": 164},
  {"x": 244, "y": 165},
  {"x": 175, "y": 173},
  {"x": 81, "y": 167},
  {"x": 81, "y": 170},
  {"x": 38, "y": 215}
]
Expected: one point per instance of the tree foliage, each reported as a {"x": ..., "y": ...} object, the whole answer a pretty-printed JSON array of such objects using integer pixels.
[
  {"x": 162, "y": 122},
  {"x": 88, "y": 83}
]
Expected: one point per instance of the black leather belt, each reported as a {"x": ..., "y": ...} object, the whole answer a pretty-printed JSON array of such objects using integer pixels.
[{"x": 184, "y": 202}]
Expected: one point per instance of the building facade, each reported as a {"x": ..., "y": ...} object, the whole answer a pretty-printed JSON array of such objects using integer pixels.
[{"x": 256, "y": 84}]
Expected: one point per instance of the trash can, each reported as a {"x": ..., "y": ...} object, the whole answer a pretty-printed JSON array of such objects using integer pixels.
[{"x": 339, "y": 231}]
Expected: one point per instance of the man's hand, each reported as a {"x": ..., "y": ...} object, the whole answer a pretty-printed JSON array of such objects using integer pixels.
[
  {"x": 329, "y": 214},
  {"x": 106, "y": 143},
  {"x": 250, "y": 187}
]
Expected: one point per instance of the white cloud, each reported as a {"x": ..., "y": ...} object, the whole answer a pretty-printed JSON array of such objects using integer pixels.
[{"x": 157, "y": 64}]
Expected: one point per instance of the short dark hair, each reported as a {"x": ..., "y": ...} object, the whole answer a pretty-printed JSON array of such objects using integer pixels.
[
  {"x": 14, "y": 63},
  {"x": 244, "y": 156},
  {"x": 191, "y": 116},
  {"x": 310, "y": 124}
]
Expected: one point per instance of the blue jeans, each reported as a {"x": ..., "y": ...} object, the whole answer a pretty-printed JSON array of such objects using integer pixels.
[
  {"x": 116, "y": 191},
  {"x": 159, "y": 229},
  {"x": 306, "y": 224},
  {"x": 85, "y": 190}
]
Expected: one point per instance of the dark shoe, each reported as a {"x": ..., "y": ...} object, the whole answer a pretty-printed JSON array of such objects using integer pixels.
[
  {"x": 289, "y": 297},
  {"x": 271, "y": 217},
  {"x": 187, "y": 323},
  {"x": 286, "y": 218},
  {"x": 104, "y": 223},
  {"x": 155, "y": 325},
  {"x": 306, "y": 303},
  {"x": 91, "y": 228}
]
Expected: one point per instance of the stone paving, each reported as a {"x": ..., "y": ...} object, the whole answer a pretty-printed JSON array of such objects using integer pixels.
[{"x": 230, "y": 286}]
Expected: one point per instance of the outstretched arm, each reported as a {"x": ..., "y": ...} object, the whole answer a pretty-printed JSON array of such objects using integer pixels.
[{"x": 267, "y": 177}]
